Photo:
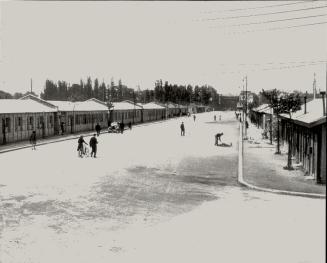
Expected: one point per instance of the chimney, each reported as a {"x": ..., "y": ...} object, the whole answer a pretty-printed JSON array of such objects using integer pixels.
[
  {"x": 323, "y": 102},
  {"x": 305, "y": 104}
]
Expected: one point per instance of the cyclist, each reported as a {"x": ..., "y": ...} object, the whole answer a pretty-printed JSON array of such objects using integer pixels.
[{"x": 80, "y": 147}]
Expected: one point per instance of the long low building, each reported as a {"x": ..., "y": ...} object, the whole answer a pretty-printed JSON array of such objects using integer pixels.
[
  {"x": 153, "y": 111},
  {"x": 19, "y": 118},
  {"x": 306, "y": 130},
  {"x": 126, "y": 111},
  {"x": 80, "y": 116}
]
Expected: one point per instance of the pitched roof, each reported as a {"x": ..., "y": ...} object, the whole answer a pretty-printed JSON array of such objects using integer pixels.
[
  {"x": 33, "y": 97},
  {"x": 264, "y": 108},
  {"x": 23, "y": 106},
  {"x": 125, "y": 105},
  {"x": 152, "y": 105},
  {"x": 313, "y": 117},
  {"x": 89, "y": 105}
]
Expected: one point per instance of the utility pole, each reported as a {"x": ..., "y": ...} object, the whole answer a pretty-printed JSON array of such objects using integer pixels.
[
  {"x": 314, "y": 86},
  {"x": 246, "y": 105}
]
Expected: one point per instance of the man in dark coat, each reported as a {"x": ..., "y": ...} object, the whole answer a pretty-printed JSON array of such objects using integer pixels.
[
  {"x": 98, "y": 129},
  {"x": 62, "y": 126},
  {"x": 182, "y": 129},
  {"x": 33, "y": 140},
  {"x": 93, "y": 145},
  {"x": 122, "y": 127}
]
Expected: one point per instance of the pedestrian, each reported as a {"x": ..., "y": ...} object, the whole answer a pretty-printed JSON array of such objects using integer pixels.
[
  {"x": 214, "y": 118},
  {"x": 80, "y": 147},
  {"x": 62, "y": 128},
  {"x": 130, "y": 125},
  {"x": 33, "y": 140},
  {"x": 246, "y": 124},
  {"x": 122, "y": 127},
  {"x": 218, "y": 138},
  {"x": 98, "y": 129},
  {"x": 182, "y": 129},
  {"x": 93, "y": 144},
  {"x": 220, "y": 117},
  {"x": 194, "y": 117}
]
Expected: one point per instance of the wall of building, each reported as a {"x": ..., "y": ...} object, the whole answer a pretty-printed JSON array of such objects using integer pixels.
[
  {"x": 308, "y": 148},
  {"x": 126, "y": 116},
  {"x": 19, "y": 126}
]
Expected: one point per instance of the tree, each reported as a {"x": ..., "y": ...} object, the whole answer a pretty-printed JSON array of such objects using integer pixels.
[
  {"x": 5, "y": 95},
  {"x": 290, "y": 103},
  {"x": 102, "y": 92},
  {"x": 88, "y": 92},
  {"x": 273, "y": 100},
  {"x": 96, "y": 93}
]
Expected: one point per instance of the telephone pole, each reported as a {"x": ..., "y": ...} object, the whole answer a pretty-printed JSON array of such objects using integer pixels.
[
  {"x": 246, "y": 104},
  {"x": 314, "y": 86}
]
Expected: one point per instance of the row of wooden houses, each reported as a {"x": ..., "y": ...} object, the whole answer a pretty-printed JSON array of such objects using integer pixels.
[
  {"x": 304, "y": 129},
  {"x": 19, "y": 118}
]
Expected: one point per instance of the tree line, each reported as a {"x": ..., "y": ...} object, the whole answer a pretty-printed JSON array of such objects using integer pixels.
[
  {"x": 162, "y": 92},
  {"x": 16, "y": 95}
]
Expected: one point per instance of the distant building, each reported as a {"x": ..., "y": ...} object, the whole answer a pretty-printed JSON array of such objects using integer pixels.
[{"x": 246, "y": 95}]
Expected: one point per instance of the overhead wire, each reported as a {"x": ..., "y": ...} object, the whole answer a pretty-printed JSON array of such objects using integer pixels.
[
  {"x": 259, "y": 7},
  {"x": 261, "y": 14},
  {"x": 277, "y": 28},
  {"x": 270, "y": 21},
  {"x": 273, "y": 68}
]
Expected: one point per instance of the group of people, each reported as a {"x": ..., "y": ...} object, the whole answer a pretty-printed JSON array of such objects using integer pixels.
[{"x": 82, "y": 151}]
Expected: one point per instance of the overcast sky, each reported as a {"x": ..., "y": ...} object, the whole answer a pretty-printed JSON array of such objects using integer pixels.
[{"x": 182, "y": 42}]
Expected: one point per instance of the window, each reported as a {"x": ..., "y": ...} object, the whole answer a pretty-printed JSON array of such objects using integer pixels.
[
  {"x": 40, "y": 122},
  {"x": 7, "y": 124},
  {"x": 77, "y": 119},
  {"x": 30, "y": 123},
  {"x": 50, "y": 119},
  {"x": 18, "y": 123}
]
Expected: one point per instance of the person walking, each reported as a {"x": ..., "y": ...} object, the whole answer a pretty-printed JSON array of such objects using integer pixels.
[
  {"x": 80, "y": 146},
  {"x": 93, "y": 144},
  {"x": 62, "y": 128},
  {"x": 130, "y": 125},
  {"x": 33, "y": 140},
  {"x": 214, "y": 118},
  {"x": 182, "y": 129},
  {"x": 122, "y": 127},
  {"x": 194, "y": 117},
  {"x": 98, "y": 129}
]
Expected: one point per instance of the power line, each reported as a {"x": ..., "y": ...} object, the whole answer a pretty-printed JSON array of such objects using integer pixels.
[
  {"x": 262, "y": 14},
  {"x": 267, "y": 69},
  {"x": 280, "y": 63},
  {"x": 278, "y": 28},
  {"x": 270, "y": 21},
  {"x": 258, "y": 7}
]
